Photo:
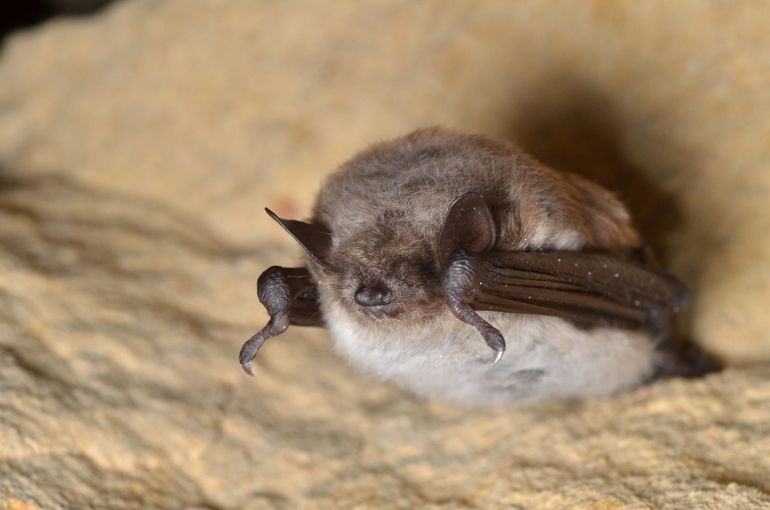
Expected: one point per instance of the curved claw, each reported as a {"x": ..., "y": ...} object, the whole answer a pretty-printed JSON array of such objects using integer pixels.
[
  {"x": 276, "y": 326},
  {"x": 249, "y": 351},
  {"x": 494, "y": 340}
]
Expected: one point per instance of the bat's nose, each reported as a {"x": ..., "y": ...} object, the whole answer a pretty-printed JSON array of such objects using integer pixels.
[{"x": 373, "y": 295}]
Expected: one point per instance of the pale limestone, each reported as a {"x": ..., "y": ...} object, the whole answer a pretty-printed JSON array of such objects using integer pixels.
[{"x": 138, "y": 147}]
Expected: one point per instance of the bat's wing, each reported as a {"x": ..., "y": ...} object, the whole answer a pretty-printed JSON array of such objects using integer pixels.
[
  {"x": 589, "y": 288},
  {"x": 290, "y": 296},
  {"x": 304, "y": 301}
]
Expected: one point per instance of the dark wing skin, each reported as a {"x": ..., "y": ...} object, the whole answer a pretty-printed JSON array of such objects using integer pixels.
[
  {"x": 589, "y": 288},
  {"x": 593, "y": 287},
  {"x": 304, "y": 305},
  {"x": 290, "y": 296}
]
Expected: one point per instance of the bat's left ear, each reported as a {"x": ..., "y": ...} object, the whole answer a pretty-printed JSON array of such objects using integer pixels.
[
  {"x": 468, "y": 226},
  {"x": 315, "y": 239}
]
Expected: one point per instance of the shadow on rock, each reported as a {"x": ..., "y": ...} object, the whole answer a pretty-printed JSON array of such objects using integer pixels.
[
  {"x": 573, "y": 128},
  {"x": 79, "y": 228}
]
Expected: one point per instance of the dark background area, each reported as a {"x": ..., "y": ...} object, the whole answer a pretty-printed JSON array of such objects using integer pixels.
[{"x": 22, "y": 14}]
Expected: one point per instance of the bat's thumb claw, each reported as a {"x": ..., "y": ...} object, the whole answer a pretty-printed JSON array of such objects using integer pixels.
[
  {"x": 247, "y": 367},
  {"x": 249, "y": 351},
  {"x": 277, "y": 325},
  {"x": 247, "y": 360},
  {"x": 496, "y": 342}
]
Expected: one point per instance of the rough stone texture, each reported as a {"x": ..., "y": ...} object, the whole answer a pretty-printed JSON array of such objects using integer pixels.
[{"x": 138, "y": 147}]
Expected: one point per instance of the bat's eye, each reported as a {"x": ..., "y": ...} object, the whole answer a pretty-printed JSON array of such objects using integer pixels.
[{"x": 376, "y": 294}]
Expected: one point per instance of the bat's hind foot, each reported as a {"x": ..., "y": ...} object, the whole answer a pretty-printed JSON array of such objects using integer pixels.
[{"x": 685, "y": 360}]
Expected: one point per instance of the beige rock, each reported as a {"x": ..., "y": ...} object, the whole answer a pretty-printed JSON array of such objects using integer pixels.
[{"x": 139, "y": 146}]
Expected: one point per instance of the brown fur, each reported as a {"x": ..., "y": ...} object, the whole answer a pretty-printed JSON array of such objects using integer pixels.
[{"x": 385, "y": 208}]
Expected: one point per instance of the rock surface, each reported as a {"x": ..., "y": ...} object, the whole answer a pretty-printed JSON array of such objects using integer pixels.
[{"x": 138, "y": 147}]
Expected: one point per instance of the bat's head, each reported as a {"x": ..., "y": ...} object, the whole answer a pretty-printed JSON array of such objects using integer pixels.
[{"x": 388, "y": 272}]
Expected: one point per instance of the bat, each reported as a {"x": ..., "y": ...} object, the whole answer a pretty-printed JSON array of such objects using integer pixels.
[{"x": 464, "y": 270}]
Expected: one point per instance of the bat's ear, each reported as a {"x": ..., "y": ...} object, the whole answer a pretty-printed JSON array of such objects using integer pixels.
[
  {"x": 315, "y": 239},
  {"x": 468, "y": 226}
]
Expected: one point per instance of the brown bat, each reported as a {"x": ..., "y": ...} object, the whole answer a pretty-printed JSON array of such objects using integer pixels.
[{"x": 421, "y": 247}]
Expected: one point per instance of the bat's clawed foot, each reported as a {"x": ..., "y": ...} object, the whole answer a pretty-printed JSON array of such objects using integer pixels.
[
  {"x": 460, "y": 283},
  {"x": 275, "y": 293},
  {"x": 276, "y": 326}
]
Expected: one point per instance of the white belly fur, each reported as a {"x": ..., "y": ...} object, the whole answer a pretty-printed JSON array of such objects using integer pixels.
[{"x": 546, "y": 357}]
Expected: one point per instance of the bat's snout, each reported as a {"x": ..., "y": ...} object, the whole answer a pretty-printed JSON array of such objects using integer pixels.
[{"x": 375, "y": 295}]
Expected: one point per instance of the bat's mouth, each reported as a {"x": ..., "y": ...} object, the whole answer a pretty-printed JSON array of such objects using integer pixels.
[
  {"x": 384, "y": 311},
  {"x": 422, "y": 308}
]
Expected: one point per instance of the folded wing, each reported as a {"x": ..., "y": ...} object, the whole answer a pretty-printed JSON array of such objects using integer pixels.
[{"x": 591, "y": 288}]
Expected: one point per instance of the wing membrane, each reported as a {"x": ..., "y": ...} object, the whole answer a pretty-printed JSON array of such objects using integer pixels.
[
  {"x": 589, "y": 287},
  {"x": 304, "y": 304}
]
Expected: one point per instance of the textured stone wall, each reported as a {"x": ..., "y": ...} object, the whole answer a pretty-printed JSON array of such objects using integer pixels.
[{"x": 138, "y": 148}]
